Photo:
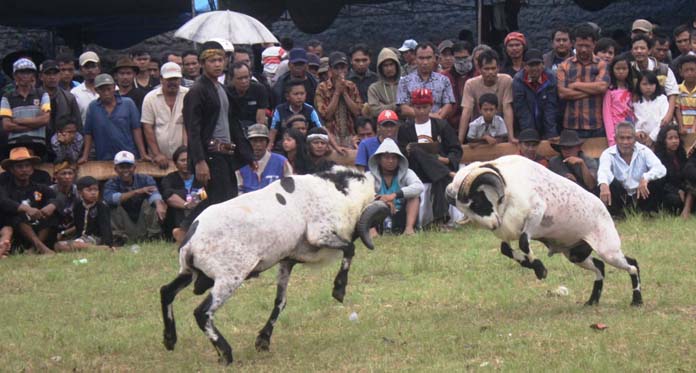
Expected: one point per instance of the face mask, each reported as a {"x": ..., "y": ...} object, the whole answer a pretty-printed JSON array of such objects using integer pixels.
[{"x": 463, "y": 65}]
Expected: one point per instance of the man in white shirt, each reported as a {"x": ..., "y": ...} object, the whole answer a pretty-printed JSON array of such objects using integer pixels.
[
  {"x": 162, "y": 118},
  {"x": 85, "y": 92},
  {"x": 625, "y": 173}
]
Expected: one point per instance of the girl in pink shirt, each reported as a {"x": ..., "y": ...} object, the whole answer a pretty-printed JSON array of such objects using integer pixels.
[{"x": 618, "y": 106}]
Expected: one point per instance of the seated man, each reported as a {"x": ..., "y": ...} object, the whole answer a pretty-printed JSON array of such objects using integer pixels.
[
  {"x": 572, "y": 163},
  {"x": 31, "y": 207},
  {"x": 626, "y": 171},
  {"x": 271, "y": 166},
  {"x": 396, "y": 185},
  {"x": 136, "y": 204},
  {"x": 387, "y": 128},
  {"x": 433, "y": 153},
  {"x": 529, "y": 144}
]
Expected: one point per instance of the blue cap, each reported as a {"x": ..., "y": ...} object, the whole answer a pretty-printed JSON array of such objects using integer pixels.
[{"x": 297, "y": 55}]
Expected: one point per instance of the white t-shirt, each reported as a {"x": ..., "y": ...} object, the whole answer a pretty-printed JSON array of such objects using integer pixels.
[
  {"x": 424, "y": 132},
  {"x": 649, "y": 114}
]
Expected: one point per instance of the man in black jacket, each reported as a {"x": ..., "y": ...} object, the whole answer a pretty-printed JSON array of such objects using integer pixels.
[
  {"x": 433, "y": 151},
  {"x": 217, "y": 146}
]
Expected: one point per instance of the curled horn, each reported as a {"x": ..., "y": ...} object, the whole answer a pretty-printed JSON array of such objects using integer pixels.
[
  {"x": 373, "y": 214},
  {"x": 481, "y": 176}
]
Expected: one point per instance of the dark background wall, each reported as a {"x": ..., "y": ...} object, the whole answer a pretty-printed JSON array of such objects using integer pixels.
[{"x": 389, "y": 24}]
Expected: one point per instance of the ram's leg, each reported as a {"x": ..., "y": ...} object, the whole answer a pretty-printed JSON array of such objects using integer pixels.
[
  {"x": 580, "y": 255},
  {"x": 167, "y": 294},
  {"x": 341, "y": 281},
  {"x": 522, "y": 258},
  {"x": 530, "y": 261},
  {"x": 263, "y": 340},
  {"x": 222, "y": 290},
  {"x": 630, "y": 265}
]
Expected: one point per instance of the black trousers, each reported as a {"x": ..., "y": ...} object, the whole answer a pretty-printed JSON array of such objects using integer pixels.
[
  {"x": 621, "y": 200},
  {"x": 221, "y": 187}
]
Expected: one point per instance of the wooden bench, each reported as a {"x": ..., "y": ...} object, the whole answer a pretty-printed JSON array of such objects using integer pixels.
[{"x": 103, "y": 170}]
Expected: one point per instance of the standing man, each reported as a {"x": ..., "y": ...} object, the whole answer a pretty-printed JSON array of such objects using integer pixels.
[
  {"x": 408, "y": 52},
  {"x": 143, "y": 78},
  {"x": 66, "y": 65},
  {"x": 561, "y": 48},
  {"x": 462, "y": 70},
  {"x": 113, "y": 124},
  {"x": 490, "y": 81},
  {"x": 338, "y": 101},
  {"x": 535, "y": 96},
  {"x": 582, "y": 82},
  {"x": 297, "y": 63},
  {"x": 251, "y": 96},
  {"x": 125, "y": 72},
  {"x": 425, "y": 77},
  {"x": 314, "y": 46},
  {"x": 64, "y": 107},
  {"x": 216, "y": 142},
  {"x": 360, "y": 72},
  {"x": 162, "y": 119},
  {"x": 85, "y": 93},
  {"x": 660, "y": 50},
  {"x": 381, "y": 95},
  {"x": 192, "y": 69},
  {"x": 26, "y": 111}
]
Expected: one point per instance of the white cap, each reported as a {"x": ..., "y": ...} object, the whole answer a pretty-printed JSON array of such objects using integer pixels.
[
  {"x": 88, "y": 57},
  {"x": 408, "y": 45},
  {"x": 124, "y": 157},
  {"x": 226, "y": 45},
  {"x": 170, "y": 70}
]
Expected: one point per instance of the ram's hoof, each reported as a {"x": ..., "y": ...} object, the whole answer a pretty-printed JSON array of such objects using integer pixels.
[
  {"x": 169, "y": 343},
  {"x": 539, "y": 269},
  {"x": 262, "y": 344},
  {"x": 592, "y": 302},
  {"x": 339, "y": 294}
]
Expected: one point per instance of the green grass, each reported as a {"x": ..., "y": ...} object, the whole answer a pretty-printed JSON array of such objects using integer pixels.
[{"x": 433, "y": 302}]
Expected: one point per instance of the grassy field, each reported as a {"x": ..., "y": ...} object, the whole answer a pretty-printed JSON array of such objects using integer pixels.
[{"x": 434, "y": 302}]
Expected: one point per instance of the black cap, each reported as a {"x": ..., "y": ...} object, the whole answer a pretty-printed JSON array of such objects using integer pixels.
[
  {"x": 211, "y": 45},
  {"x": 49, "y": 65},
  {"x": 533, "y": 55},
  {"x": 337, "y": 57},
  {"x": 529, "y": 135}
]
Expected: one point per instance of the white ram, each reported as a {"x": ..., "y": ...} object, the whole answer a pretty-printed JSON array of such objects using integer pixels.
[
  {"x": 519, "y": 199},
  {"x": 298, "y": 219}
]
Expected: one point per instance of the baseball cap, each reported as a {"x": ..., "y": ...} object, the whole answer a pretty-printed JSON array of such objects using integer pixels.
[
  {"x": 49, "y": 65},
  {"x": 313, "y": 60},
  {"x": 123, "y": 156},
  {"x": 88, "y": 57},
  {"x": 408, "y": 45},
  {"x": 103, "y": 79},
  {"x": 23, "y": 64},
  {"x": 386, "y": 117},
  {"x": 642, "y": 25},
  {"x": 446, "y": 44},
  {"x": 323, "y": 64},
  {"x": 298, "y": 55},
  {"x": 170, "y": 70},
  {"x": 336, "y": 58},
  {"x": 257, "y": 130},
  {"x": 533, "y": 55},
  {"x": 422, "y": 96}
]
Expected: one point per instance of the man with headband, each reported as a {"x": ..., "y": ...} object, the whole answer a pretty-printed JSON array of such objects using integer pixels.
[{"x": 216, "y": 143}]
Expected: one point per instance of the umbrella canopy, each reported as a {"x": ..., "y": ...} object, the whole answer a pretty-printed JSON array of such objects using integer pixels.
[{"x": 236, "y": 27}]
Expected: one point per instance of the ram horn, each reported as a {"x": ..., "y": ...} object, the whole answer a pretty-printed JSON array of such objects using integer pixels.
[
  {"x": 373, "y": 214},
  {"x": 481, "y": 176}
]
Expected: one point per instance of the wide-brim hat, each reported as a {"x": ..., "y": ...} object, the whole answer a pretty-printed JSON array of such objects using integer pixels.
[
  {"x": 569, "y": 138},
  {"x": 127, "y": 63},
  {"x": 19, "y": 154},
  {"x": 34, "y": 55}
]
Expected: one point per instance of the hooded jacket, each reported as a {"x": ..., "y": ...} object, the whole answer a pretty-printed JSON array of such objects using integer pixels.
[
  {"x": 381, "y": 95},
  {"x": 409, "y": 184}
]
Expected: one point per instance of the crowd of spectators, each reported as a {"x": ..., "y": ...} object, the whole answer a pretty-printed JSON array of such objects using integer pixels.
[{"x": 232, "y": 119}]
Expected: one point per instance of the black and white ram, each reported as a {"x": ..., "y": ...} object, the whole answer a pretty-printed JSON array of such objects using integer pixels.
[
  {"x": 518, "y": 199},
  {"x": 298, "y": 219}
]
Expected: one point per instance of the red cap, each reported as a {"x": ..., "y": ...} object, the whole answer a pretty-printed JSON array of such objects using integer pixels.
[
  {"x": 515, "y": 36},
  {"x": 387, "y": 116},
  {"x": 422, "y": 96}
]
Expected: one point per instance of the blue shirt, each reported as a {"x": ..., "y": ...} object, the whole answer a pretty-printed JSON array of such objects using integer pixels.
[
  {"x": 644, "y": 164},
  {"x": 284, "y": 111},
  {"x": 366, "y": 149},
  {"x": 115, "y": 187},
  {"x": 113, "y": 132},
  {"x": 438, "y": 84}
]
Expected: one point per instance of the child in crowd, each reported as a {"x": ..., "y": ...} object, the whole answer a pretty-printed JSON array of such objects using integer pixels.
[
  {"x": 298, "y": 122},
  {"x": 296, "y": 96},
  {"x": 650, "y": 106},
  {"x": 67, "y": 143},
  {"x": 295, "y": 150},
  {"x": 606, "y": 49},
  {"x": 618, "y": 105},
  {"x": 92, "y": 219},
  {"x": 686, "y": 101},
  {"x": 489, "y": 128}
]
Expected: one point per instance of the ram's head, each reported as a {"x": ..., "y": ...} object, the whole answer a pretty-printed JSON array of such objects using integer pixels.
[{"x": 479, "y": 191}]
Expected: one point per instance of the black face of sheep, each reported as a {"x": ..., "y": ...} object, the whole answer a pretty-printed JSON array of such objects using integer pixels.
[{"x": 482, "y": 192}]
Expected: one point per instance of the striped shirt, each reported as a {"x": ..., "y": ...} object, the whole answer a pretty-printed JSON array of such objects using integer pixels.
[
  {"x": 686, "y": 102},
  {"x": 14, "y": 106},
  {"x": 586, "y": 113}
]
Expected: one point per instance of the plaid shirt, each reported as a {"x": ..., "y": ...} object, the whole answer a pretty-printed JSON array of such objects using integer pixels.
[
  {"x": 586, "y": 113},
  {"x": 439, "y": 84}
]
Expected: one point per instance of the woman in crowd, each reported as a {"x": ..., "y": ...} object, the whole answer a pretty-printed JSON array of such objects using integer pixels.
[
  {"x": 295, "y": 150},
  {"x": 669, "y": 147},
  {"x": 319, "y": 151},
  {"x": 179, "y": 190}
]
